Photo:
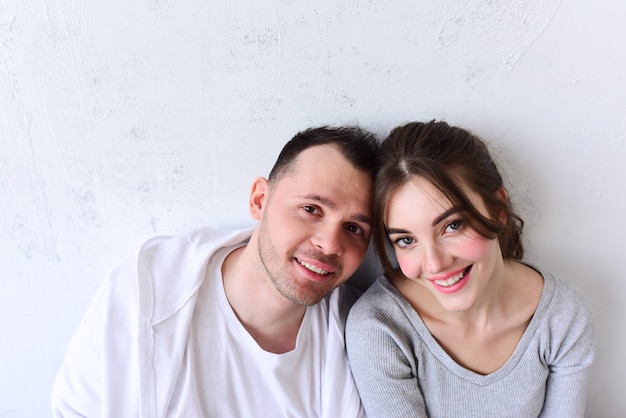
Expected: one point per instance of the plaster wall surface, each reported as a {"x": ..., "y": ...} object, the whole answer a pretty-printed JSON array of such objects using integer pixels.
[{"x": 124, "y": 120}]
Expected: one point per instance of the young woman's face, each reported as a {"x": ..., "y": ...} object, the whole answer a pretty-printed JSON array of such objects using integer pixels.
[{"x": 436, "y": 249}]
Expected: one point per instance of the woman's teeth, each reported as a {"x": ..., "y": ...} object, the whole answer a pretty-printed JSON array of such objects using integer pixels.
[{"x": 451, "y": 281}]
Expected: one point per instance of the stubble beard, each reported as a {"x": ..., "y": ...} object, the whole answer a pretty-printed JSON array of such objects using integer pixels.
[{"x": 281, "y": 280}]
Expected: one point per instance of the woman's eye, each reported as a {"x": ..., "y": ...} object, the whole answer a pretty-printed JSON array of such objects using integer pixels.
[
  {"x": 454, "y": 226},
  {"x": 404, "y": 242}
]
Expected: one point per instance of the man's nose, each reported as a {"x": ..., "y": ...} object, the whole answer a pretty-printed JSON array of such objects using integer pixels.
[{"x": 329, "y": 239}]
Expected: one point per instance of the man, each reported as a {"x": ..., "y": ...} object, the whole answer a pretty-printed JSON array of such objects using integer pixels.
[{"x": 236, "y": 323}]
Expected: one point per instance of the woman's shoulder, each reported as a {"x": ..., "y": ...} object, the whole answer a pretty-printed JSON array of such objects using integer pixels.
[
  {"x": 381, "y": 308},
  {"x": 367, "y": 301},
  {"x": 381, "y": 317},
  {"x": 381, "y": 295},
  {"x": 563, "y": 296},
  {"x": 563, "y": 307},
  {"x": 564, "y": 323}
]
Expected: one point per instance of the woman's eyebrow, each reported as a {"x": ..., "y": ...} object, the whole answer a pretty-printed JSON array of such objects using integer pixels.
[
  {"x": 391, "y": 231},
  {"x": 444, "y": 215}
]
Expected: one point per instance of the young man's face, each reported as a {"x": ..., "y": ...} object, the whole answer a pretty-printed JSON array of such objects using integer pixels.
[{"x": 314, "y": 224}]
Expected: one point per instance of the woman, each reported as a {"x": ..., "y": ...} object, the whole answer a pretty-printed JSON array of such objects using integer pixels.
[{"x": 462, "y": 328}]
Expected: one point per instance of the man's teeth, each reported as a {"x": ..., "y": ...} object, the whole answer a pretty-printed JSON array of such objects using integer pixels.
[
  {"x": 313, "y": 268},
  {"x": 451, "y": 280}
]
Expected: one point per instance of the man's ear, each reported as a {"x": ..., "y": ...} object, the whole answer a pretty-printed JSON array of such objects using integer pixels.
[{"x": 258, "y": 197}]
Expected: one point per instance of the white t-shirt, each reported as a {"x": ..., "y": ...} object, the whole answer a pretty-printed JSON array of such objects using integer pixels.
[
  {"x": 160, "y": 340},
  {"x": 226, "y": 374}
]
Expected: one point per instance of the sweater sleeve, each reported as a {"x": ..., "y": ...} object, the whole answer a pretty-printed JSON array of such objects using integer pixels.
[
  {"x": 570, "y": 353},
  {"x": 381, "y": 357}
]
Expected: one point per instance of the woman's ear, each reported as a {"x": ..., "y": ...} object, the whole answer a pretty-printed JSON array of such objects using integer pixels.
[{"x": 258, "y": 197}]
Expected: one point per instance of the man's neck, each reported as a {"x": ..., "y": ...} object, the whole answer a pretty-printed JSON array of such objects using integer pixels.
[{"x": 268, "y": 317}]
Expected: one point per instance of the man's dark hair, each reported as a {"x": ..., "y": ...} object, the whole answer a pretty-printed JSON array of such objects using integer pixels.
[{"x": 358, "y": 146}]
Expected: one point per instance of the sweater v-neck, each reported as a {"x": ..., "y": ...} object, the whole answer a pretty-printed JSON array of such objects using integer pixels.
[{"x": 442, "y": 356}]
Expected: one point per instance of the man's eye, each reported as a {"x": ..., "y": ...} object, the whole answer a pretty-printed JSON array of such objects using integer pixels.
[
  {"x": 310, "y": 209},
  {"x": 355, "y": 229}
]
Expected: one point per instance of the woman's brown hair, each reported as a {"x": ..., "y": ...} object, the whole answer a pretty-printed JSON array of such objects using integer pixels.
[{"x": 450, "y": 158}]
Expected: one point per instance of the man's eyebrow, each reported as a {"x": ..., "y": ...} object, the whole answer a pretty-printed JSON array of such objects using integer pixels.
[
  {"x": 320, "y": 199},
  {"x": 362, "y": 218},
  {"x": 331, "y": 204}
]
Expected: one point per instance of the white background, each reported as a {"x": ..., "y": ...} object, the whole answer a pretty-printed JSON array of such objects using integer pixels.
[{"x": 121, "y": 120}]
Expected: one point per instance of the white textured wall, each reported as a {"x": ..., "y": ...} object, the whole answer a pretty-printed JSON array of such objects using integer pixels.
[{"x": 120, "y": 120}]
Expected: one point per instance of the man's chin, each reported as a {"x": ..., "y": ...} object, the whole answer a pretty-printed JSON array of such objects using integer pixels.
[{"x": 308, "y": 297}]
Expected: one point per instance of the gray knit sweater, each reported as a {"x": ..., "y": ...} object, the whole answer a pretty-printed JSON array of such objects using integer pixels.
[{"x": 401, "y": 371}]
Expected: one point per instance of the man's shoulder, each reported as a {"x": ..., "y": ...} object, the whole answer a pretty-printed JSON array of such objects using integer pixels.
[
  {"x": 171, "y": 269},
  {"x": 173, "y": 253},
  {"x": 198, "y": 237}
]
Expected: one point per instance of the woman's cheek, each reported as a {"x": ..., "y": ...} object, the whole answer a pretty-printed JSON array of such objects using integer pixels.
[
  {"x": 408, "y": 265},
  {"x": 476, "y": 249}
]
